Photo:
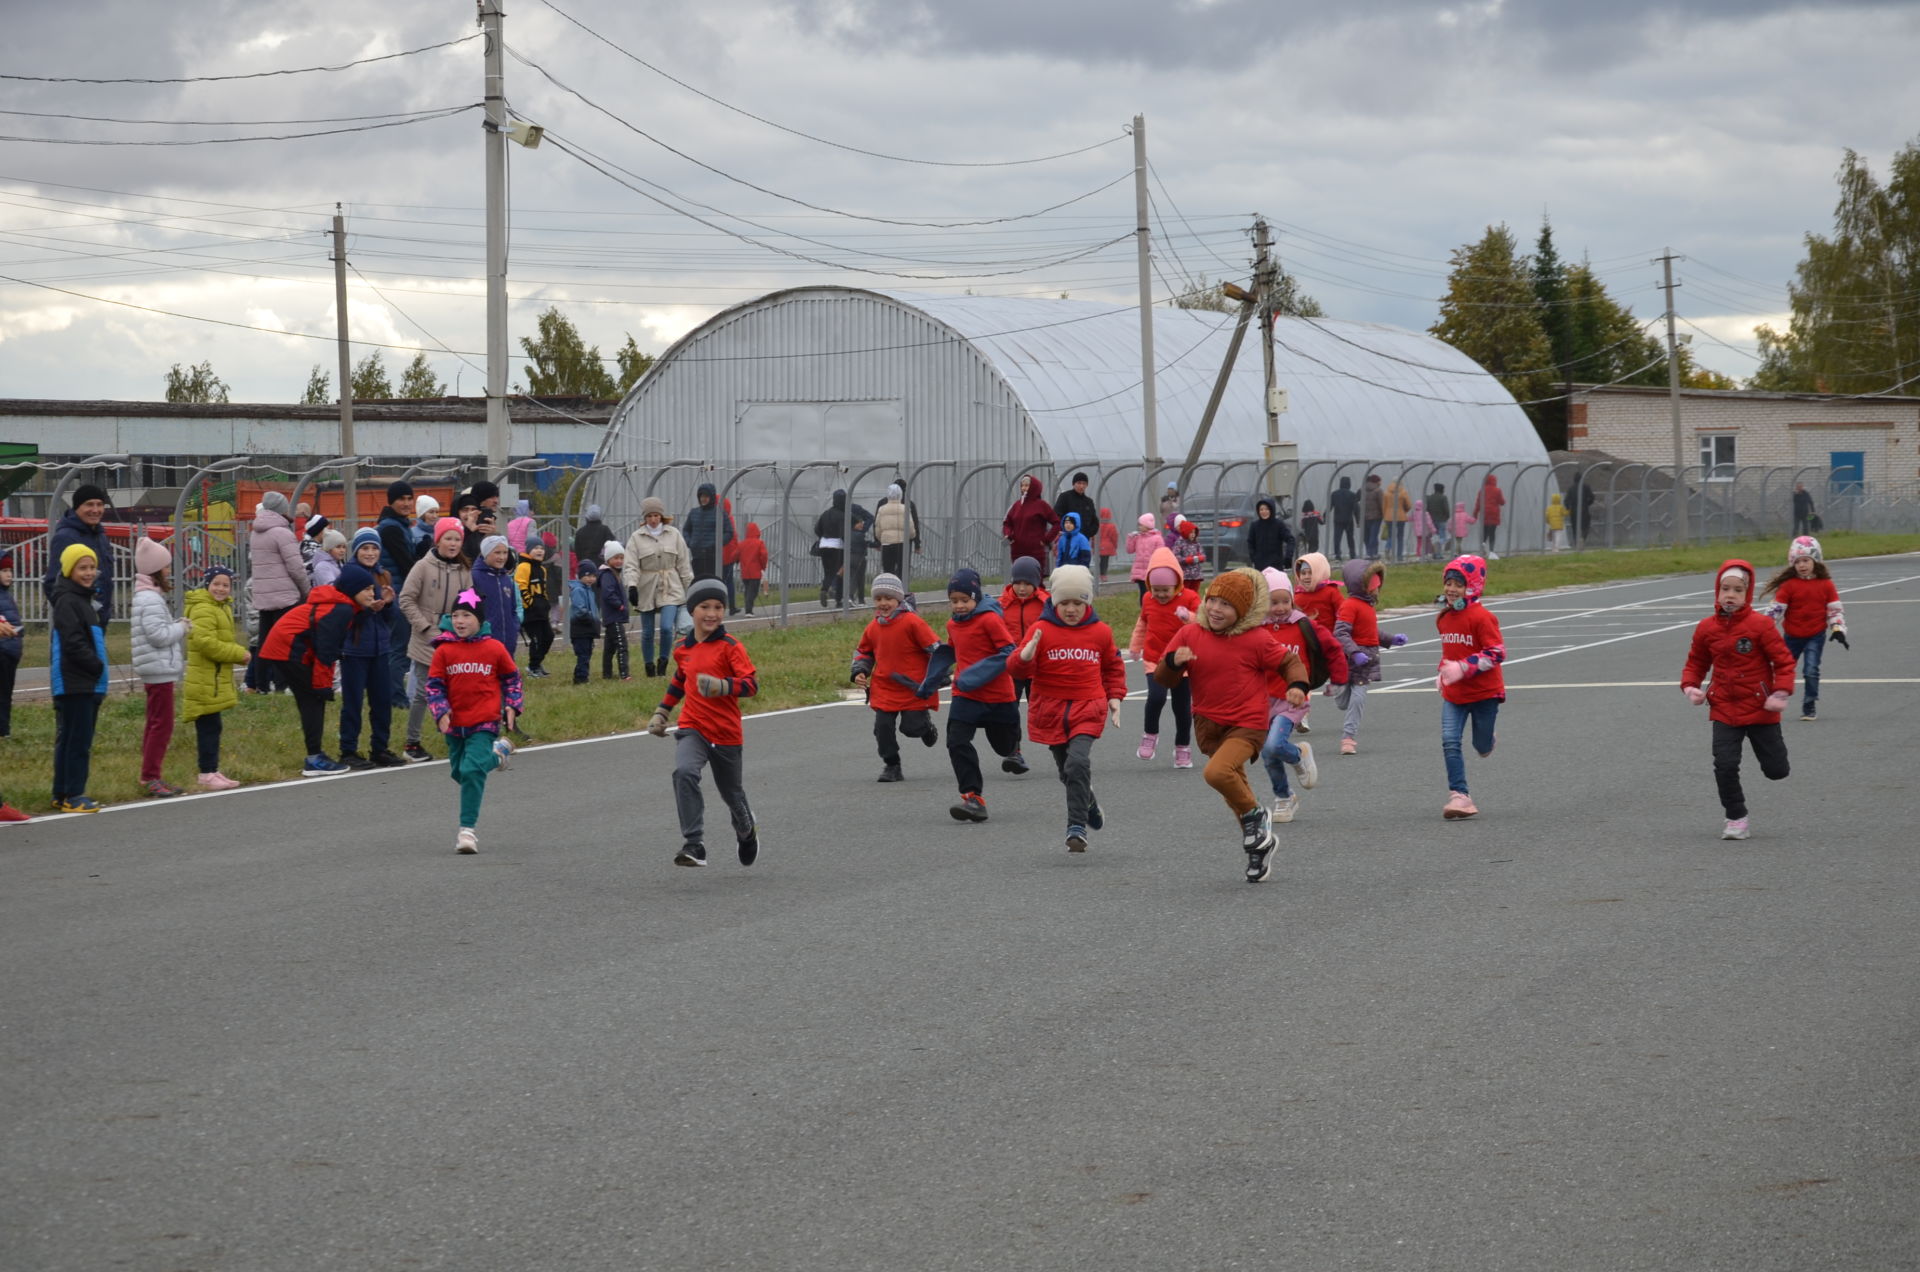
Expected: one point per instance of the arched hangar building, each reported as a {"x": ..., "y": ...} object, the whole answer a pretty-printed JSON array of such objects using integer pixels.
[{"x": 933, "y": 387}]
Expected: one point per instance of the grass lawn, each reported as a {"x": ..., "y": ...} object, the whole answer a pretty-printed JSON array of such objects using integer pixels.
[{"x": 798, "y": 666}]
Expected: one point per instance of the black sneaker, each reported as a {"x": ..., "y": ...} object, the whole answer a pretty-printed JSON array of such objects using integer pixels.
[
  {"x": 971, "y": 808},
  {"x": 386, "y": 759},
  {"x": 1809, "y": 712},
  {"x": 355, "y": 761},
  {"x": 1015, "y": 764},
  {"x": 891, "y": 773},
  {"x": 1076, "y": 839},
  {"x": 691, "y": 855},
  {"x": 750, "y": 847},
  {"x": 932, "y": 736},
  {"x": 1258, "y": 866},
  {"x": 417, "y": 754},
  {"x": 1254, "y": 829},
  {"x": 1096, "y": 820}
]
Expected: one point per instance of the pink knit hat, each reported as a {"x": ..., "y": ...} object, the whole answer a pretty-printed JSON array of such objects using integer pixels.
[
  {"x": 445, "y": 524},
  {"x": 1146, "y": 521}
]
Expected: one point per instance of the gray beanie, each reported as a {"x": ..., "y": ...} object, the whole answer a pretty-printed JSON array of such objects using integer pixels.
[
  {"x": 275, "y": 501},
  {"x": 593, "y": 512},
  {"x": 889, "y": 585},
  {"x": 492, "y": 541},
  {"x": 706, "y": 590},
  {"x": 651, "y": 505},
  {"x": 1071, "y": 583}
]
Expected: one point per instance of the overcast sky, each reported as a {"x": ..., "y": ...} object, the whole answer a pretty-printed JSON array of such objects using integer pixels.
[{"x": 1377, "y": 137}]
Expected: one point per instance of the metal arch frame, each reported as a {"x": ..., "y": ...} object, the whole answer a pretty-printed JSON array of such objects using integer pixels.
[
  {"x": 786, "y": 525},
  {"x": 1613, "y": 493},
  {"x": 846, "y": 521},
  {"x": 908, "y": 479},
  {"x": 1300, "y": 477},
  {"x": 1520, "y": 472},
  {"x": 1219, "y": 480},
  {"x": 1149, "y": 478},
  {"x": 576, "y": 499},
  {"x": 959, "y": 497},
  {"x": 1733, "y": 499},
  {"x": 440, "y": 465},
  {"x": 302, "y": 480},
  {"x": 1551, "y": 486},
  {"x": 661, "y": 470},
  {"x": 719, "y": 510},
  {"x": 231, "y": 463},
  {"x": 532, "y": 464},
  {"x": 66, "y": 478}
]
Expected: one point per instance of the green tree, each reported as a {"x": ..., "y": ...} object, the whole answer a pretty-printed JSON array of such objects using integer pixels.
[
  {"x": 319, "y": 388},
  {"x": 633, "y": 364},
  {"x": 1855, "y": 327},
  {"x": 563, "y": 364},
  {"x": 370, "y": 378},
  {"x": 418, "y": 380},
  {"x": 1606, "y": 344},
  {"x": 195, "y": 384},
  {"x": 1490, "y": 313}
]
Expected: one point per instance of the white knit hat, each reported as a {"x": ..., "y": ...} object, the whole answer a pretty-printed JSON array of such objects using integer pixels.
[{"x": 1071, "y": 583}]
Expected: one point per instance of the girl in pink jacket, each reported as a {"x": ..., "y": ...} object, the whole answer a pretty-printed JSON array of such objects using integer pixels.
[{"x": 1141, "y": 544}]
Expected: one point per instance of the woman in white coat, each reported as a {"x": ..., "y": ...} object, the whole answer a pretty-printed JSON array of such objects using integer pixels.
[{"x": 658, "y": 572}]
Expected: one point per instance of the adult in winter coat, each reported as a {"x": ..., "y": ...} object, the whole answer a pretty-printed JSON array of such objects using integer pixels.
[
  {"x": 1440, "y": 508},
  {"x": 894, "y": 526},
  {"x": 1344, "y": 506},
  {"x": 435, "y": 584},
  {"x": 518, "y": 529},
  {"x": 1076, "y": 500},
  {"x": 1269, "y": 540},
  {"x": 1170, "y": 504},
  {"x": 1802, "y": 509},
  {"x": 590, "y": 541},
  {"x": 1031, "y": 525},
  {"x": 81, "y": 524},
  {"x": 397, "y": 555},
  {"x": 1486, "y": 510},
  {"x": 1373, "y": 513},
  {"x": 707, "y": 534},
  {"x": 1395, "y": 504},
  {"x": 657, "y": 574},
  {"x": 830, "y": 545},
  {"x": 277, "y": 575}
]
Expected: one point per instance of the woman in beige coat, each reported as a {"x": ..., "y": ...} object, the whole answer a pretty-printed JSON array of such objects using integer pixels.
[
  {"x": 432, "y": 586},
  {"x": 658, "y": 572}
]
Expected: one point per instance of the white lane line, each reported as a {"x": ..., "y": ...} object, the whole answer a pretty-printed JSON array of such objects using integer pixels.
[{"x": 1664, "y": 684}]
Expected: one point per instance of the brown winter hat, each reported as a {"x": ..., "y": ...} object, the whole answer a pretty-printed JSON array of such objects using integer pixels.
[{"x": 1235, "y": 588}]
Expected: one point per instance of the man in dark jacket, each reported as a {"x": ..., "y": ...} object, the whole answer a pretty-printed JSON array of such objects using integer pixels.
[
  {"x": 82, "y": 524},
  {"x": 1269, "y": 539},
  {"x": 590, "y": 541},
  {"x": 707, "y": 533},
  {"x": 1802, "y": 509},
  {"x": 395, "y": 528},
  {"x": 1344, "y": 504},
  {"x": 1075, "y": 499}
]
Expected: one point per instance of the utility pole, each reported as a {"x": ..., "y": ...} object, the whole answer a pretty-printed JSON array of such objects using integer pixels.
[
  {"x": 499, "y": 437},
  {"x": 1263, "y": 280},
  {"x": 1682, "y": 533},
  {"x": 1149, "y": 422},
  {"x": 350, "y": 511}
]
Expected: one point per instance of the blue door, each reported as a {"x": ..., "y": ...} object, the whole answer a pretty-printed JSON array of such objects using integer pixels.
[{"x": 1848, "y": 469}]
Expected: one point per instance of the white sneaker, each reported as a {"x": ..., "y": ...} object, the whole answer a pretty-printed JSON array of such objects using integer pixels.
[
  {"x": 1284, "y": 807},
  {"x": 466, "y": 841},
  {"x": 1736, "y": 828},
  {"x": 1307, "y": 770}
]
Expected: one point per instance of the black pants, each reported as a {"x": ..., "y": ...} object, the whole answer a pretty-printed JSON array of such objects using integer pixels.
[
  {"x": 915, "y": 724},
  {"x": 1074, "y": 760},
  {"x": 1310, "y": 537},
  {"x": 9, "y": 663},
  {"x": 1001, "y": 723},
  {"x": 753, "y": 592},
  {"x": 74, "y": 718},
  {"x": 1768, "y": 747},
  {"x": 1487, "y": 531},
  {"x": 1342, "y": 530},
  {"x": 1182, "y": 695},
  {"x": 615, "y": 645},
  {"x": 312, "y": 705},
  {"x": 583, "y": 658},
  {"x": 893, "y": 557},
  {"x": 539, "y": 634},
  {"x": 206, "y": 741},
  {"x": 726, "y": 577},
  {"x": 831, "y": 561},
  {"x": 263, "y": 674},
  {"x": 857, "y": 576}
]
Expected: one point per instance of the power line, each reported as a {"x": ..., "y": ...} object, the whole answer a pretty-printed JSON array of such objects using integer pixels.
[
  {"x": 1155, "y": 174},
  {"x": 874, "y": 154},
  {"x": 211, "y": 123},
  {"x": 1479, "y": 370},
  {"x": 210, "y": 79},
  {"x": 424, "y": 117}
]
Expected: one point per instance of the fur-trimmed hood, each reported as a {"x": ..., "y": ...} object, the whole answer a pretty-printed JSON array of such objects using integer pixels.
[{"x": 1257, "y": 612}]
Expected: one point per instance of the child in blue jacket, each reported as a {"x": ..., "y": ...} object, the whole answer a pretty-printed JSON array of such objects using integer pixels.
[
  {"x": 366, "y": 676},
  {"x": 613, "y": 612},
  {"x": 583, "y": 621},
  {"x": 1074, "y": 546}
]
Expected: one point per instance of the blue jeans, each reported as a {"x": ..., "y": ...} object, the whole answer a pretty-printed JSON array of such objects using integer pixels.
[
  {"x": 368, "y": 679},
  {"x": 1279, "y": 752},
  {"x": 666, "y": 616},
  {"x": 1453, "y": 722},
  {"x": 1807, "y": 651}
]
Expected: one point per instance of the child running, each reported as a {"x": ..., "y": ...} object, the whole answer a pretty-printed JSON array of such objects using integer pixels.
[
  {"x": 159, "y": 658},
  {"x": 978, "y": 646},
  {"x": 1808, "y": 605},
  {"x": 1022, "y": 602},
  {"x": 1358, "y": 631},
  {"x": 890, "y": 664},
  {"x": 1169, "y": 605},
  {"x": 1471, "y": 684},
  {"x": 1315, "y": 593},
  {"x": 473, "y": 688},
  {"x": 1228, "y": 657},
  {"x": 717, "y": 669},
  {"x": 1325, "y": 662},
  {"x": 212, "y": 654},
  {"x": 1752, "y": 682},
  {"x": 1079, "y": 683}
]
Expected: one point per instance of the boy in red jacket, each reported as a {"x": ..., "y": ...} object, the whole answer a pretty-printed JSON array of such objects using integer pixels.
[
  {"x": 753, "y": 563},
  {"x": 1167, "y": 606},
  {"x": 1079, "y": 683},
  {"x": 977, "y": 649},
  {"x": 1471, "y": 684},
  {"x": 472, "y": 687},
  {"x": 717, "y": 669},
  {"x": 890, "y": 664},
  {"x": 1752, "y": 682},
  {"x": 1022, "y": 602},
  {"x": 1228, "y": 657}
]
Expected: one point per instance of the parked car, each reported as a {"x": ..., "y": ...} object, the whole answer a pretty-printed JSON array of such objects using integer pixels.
[{"x": 1225, "y": 523}]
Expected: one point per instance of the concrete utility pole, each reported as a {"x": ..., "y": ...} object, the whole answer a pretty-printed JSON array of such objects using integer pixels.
[
  {"x": 1682, "y": 533},
  {"x": 1263, "y": 287},
  {"x": 1149, "y": 421},
  {"x": 350, "y": 511},
  {"x": 499, "y": 436}
]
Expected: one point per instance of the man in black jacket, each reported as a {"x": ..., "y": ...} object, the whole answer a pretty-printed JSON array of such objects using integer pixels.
[
  {"x": 707, "y": 532},
  {"x": 1269, "y": 539},
  {"x": 1344, "y": 503},
  {"x": 1076, "y": 500},
  {"x": 395, "y": 528},
  {"x": 82, "y": 525}
]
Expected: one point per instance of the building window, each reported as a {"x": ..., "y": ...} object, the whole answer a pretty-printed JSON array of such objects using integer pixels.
[{"x": 1716, "y": 456}]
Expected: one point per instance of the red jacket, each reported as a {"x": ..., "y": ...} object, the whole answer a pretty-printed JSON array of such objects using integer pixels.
[
  {"x": 1109, "y": 537},
  {"x": 753, "y": 553},
  {"x": 1488, "y": 503},
  {"x": 1322, "y": 604},
  {"x": 1229, "y": 673},
  {"x": 312, "y": 634},
  {"x": 1466, "y": 634},
  {"x": 898, "y": 645},
  {"x": 1158, "y": 623},
  {"x": 1076, "y": 670},
  {"x": 979, "y": 638},
  {"x": 472, "y": 679},
  {"x": 1746, "y": 656},
  {"x": 715, "y": 719},
  {"x": 1806, "y": 601},
  {"x": 1020, "y": 616},
  {"x": 1287, "y": 632},
  {"x": 1031, "y": 525},
  {"x": 1363, "y": 618}
]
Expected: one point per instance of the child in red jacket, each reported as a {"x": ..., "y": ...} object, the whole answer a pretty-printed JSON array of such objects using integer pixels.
[
  {"x": 1752, "y": 681},
  {"x": 890, "y": 664},
  {"x": 1471, "y": 684},
  {"x": 1079, "y": 683},
  {"x": 716, "y": 668},
  {"x": 1808, "y": 605},
  {"x": 1357, "y": 628},
  {"x": 472, "y": 688},
  {"x": 1228, "y": 657},
  {"x": 1022, "y": 602},
  {"x": 1167, "y": 606},
  {"x": 1109, "y": 545},
  {"x": 977, "y": 649},
  {"x": 1318, "y": 596},
  {"x": 1325, "y": 662},
  {"x": 753, "y": 563}
]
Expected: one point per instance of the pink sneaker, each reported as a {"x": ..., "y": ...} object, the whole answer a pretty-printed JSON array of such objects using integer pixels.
[
  {"x": 1149, "y": 742},
  {"x": 1736, "y": 828},
  {"x": 1459, "y": 806},
  {"x": 1183, "y": 757},
  {"x": 217, "y": 782},
  {"x": 1349, "y": 747}
]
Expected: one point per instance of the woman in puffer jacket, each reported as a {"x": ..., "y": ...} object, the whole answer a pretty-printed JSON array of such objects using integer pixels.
[
  {"x": 277, "y": 574},
  {"x": 159, "y": 658}
]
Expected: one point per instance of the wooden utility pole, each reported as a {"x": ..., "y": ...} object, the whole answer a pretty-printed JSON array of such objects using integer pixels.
[
  {"x": 350, "y": 511},
  {"x": 1149, "y": 420},
  {"x": 1682, "y": 532}
]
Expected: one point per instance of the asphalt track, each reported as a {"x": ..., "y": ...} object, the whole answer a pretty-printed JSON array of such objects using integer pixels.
[{"x": 288, "y": 1029}]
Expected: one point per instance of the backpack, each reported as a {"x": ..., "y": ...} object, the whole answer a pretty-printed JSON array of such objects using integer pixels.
[{"x": 1314, "y": 651}]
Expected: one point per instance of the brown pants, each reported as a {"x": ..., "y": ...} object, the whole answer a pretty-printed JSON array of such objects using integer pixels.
[{"x": 1228, "y": 750}]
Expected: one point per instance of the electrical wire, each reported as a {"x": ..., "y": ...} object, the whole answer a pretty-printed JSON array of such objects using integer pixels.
[
  {"x": 873, "y": 154},
  {"x": 1478, "y": 370},
  {"x": 1349, "y": 375},
  {"x": 211, "y": 123},
  {"x": 424, "y": 117},
  {"x": 210, "y": 79},
  {"x": 1155, "y": 174}
]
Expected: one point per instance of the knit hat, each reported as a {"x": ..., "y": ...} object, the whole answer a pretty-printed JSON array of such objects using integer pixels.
[
  {"x": 1472, "y": 571},
  {"x": 1186, "y": 528},
  {"x": 649, "y": 507},
  {"x": 6, "y": 560},
  {"x": 331, "y": 539},
  {"x": 587, "y": 568},
  {"x": 1277, "y": 581},
  {"x": 212, "y": 572},
  {"x": 354, "y": 579},
  {"x": 275, "y": 501},
  {"x": 895, "y": 493},
  {"x": 398, "y": 490},
  {"x": 1804, "y": 546},
  {"x": 537, "y": 545},
  {"x": 425, "y": 506},
  {"x": 550, "y": 539},
  {"x": 1146, "y": 521},
  {"x": 485, "y": 490},
  {"x": 463, "y": 500},
  {"x": 150, "y": 557},
  {"x": 87, "y": 492},
  {"x": 593, "y": 512},
  {"x": 365, "y": 534},
  {"x": 492, "y": 541},
  {"x": 75, "y": 553},
  {"x": 888, "y": 585},
  {"x": 470, "y": 601},
  {"x": 715, "y": 590},
  {"x": 1025, "y": 570},
  {"x": 1235, "y": 587},
  {"x": 966, "y": 581},
  {"x": 1072, "y": 583},
  {"x": 445, "y": 526},
  {"x": 315, "y": 524},
  {"x": 1078, "y": 478}
]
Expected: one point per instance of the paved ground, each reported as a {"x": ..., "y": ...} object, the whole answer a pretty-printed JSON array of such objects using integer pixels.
[{"x": 288, "y": 1029}]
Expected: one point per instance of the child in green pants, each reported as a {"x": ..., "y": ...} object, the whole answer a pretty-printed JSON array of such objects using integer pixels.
[{"x": 472, "y": 687}]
